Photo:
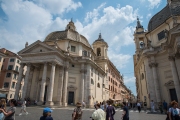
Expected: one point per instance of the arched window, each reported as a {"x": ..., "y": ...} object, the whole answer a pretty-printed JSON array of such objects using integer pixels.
[
  {"x": 111, "y": 88},
  {"x": 98, "y": 51},
  {"x": 142, "y": 76},
  {"x": 98, "y": 85},
  {"x": 92, "y": 81}
]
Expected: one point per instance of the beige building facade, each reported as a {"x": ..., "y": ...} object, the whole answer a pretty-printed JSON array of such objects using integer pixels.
[
  {"x": 9, "y": 73},
  {"x": 65, "y": 69},
  {"x": 156, "y": 60}
]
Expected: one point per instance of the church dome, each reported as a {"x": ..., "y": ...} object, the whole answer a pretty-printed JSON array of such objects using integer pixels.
[
  {"x": 172, "y": 9},
  {"x": 70, "y": 33}
]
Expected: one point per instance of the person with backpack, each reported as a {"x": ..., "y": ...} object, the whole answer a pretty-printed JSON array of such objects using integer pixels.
[
  {"x": 46, "y": 114},
  {"x": 77, "y": 113},
  {"x": 173, "y": 113}
]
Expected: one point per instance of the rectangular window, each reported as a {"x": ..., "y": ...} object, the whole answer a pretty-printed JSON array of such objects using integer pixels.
[
  {"x": 161, "y": 35},
  {"x": 10, "y": 67},
  {"x": 13, "y": 85},
  {"x": 18, "y": 61},
  {"x": 73, "y": 48},
  {"x": 15, "y": 76},
  {"x": 6, "y": 84},
  {"x": 8, "y": 75},
  {"x": 85, "y": 53},
  {"x": 12, "y": 60},
  {"x": 0, "y": 59},
  {"x": 11, "y": 96},
  {"x": 17, "y": 68},
  {"x": 2, "y": 67}
]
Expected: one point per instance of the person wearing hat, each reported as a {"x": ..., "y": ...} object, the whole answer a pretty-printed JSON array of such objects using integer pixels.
[
  {"x": 46, "y": 114},
  {"x": 77, "y": 113}
]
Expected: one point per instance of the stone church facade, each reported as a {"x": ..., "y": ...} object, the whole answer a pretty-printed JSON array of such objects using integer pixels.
[
  {"x": 63, "y": 69},
  {"x": 157, "y": 56}
]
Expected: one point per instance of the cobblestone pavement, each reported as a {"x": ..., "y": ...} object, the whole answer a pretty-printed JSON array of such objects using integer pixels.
[{"x": 66, "y": 113}]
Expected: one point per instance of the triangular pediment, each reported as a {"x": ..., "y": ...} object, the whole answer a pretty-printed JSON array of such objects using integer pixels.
[{"x": 37, "y": 47}]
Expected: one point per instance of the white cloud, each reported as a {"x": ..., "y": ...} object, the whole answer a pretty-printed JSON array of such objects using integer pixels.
[
  {"x": 119, "y": 60},
  {"x": 58, "y": 6},
  {"x": 148, "y": 16},
  {"x": 128, "y": 80},
  {"x": 151, "y": 3},
  {"x": 154, "y": 3},
  {"x": 28, "y": 21},
  {"x": 94, "y": 14}
]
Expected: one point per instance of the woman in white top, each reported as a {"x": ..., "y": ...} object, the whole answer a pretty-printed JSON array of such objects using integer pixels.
[
  {"x": 23, "y": 107},
  {"x": 99, "y": 114},
  {"x": 139, "y": 107}
]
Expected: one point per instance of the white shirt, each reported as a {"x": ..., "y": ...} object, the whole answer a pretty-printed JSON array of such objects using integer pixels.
[
  {"x": 138, "y": 104},
  {"x": 152, "y": 104},
  {"x": 99, "y": 114}
]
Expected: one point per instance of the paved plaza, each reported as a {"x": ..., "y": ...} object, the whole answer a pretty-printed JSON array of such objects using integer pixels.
[{"x": 66, "y": 113}]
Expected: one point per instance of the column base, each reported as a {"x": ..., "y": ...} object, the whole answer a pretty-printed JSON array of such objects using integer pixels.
[
  {"x": 64, "y": 104},
  {"x": 58, "y": 103},
  {"x": 40, "y": 103},
  {"x": 49, "y": 103}
]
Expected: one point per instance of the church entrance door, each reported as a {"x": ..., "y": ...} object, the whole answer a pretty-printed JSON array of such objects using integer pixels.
[
  {"x": 173, "y": 94},
  {"x": 71, "y": 98}
]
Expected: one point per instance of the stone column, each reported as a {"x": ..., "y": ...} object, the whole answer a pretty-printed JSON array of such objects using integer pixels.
[
  {"x": 35, "y": 92},
  {"x": 65, "y": 82},
  {"x": 18, "y": 84},
  {"x": 156, "y": 82},
  {"x": 30, "y": 82},
  {"x": 82, "y": 83},
  {"x": 175, "y": 76},
  {"x": 24, "y": 92},
  {"x": 89, "y": 94},
  {"x": 177, "y": 62},
  {"x": 51, "y": 85},
  {"x": 43, "y": 83},
  {"x": 60, "y": 86}
]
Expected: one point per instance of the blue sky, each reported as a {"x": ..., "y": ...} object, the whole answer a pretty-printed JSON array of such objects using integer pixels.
[{"x": 24, "y": 21}]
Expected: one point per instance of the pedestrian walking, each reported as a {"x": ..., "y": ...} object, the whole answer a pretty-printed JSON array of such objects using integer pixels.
[
  {"x": 165, "y": 107},
  {"x": 139, "y": 106},
  {"x": 46, "y": 114},
  {"x": 77, "y": 113},
  {"x": 173, "y": 113},
  {"x": 98, "y": 114},
  {"x": 110, "y": 111},
  {"x": 2, "y": 106},
  {"x": 10, "y": 113},
  {"x": 84, "y": 104},
  {"x": 102, "y": 106},
  {"x": 23, "y": 107},
  {"x": 125, "y": 115},
  {"x": 152, "y": 106},
  {"x": 145, "y": 106},
  {"x": 160, "y": 107}
]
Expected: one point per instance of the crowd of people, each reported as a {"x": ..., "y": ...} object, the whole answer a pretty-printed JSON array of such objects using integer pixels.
[{"x": 103, "y": 110}]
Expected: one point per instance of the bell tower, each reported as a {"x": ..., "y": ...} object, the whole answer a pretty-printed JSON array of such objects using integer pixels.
[
  {"x": 139, "y": 37},
  {"x": 71, "y": 26},
  {"x": 100, "y": 48}
]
